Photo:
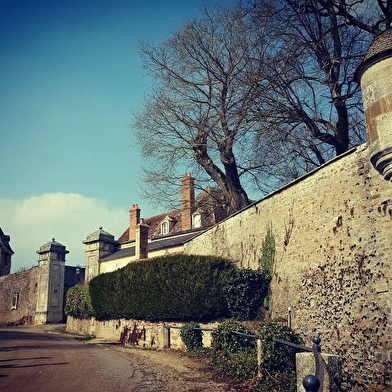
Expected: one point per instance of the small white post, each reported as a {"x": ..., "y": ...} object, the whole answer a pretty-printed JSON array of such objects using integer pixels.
[{"x": 259, "y": 358}]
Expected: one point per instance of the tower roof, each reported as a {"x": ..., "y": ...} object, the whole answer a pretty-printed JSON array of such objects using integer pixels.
[
  {"x": 5, "y": 242},
  {"x": 379, "y": 49},
  {"x": 99, "y": 235},
  {"x": 52, "y": 246}
]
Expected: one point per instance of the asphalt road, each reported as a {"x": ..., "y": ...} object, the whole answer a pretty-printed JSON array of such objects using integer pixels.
[{"x": 36, "y": 358}]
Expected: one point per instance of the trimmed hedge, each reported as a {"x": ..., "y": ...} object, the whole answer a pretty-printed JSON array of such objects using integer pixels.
[{"x": 181, "y": 287}]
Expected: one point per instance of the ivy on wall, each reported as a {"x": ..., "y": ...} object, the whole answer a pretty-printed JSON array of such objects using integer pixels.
[{"x": 266, "y": 262}]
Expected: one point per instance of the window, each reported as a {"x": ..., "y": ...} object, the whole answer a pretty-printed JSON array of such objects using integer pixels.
[
  {"x": 15, "y": 299},
  {"x": 165, "y": 227},
  {"x": 196, "y": 218}
]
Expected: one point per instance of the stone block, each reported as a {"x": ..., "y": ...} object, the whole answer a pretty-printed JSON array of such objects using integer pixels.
[{"x": 329, "y": 371}]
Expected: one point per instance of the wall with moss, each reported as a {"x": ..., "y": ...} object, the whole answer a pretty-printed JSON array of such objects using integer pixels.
[{"x": 333, "y": 231}]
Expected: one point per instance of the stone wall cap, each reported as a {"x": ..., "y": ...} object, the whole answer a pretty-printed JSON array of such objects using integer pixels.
[
  {"x": 52, "y": 246},
  {"x": 99, "y": 235}
]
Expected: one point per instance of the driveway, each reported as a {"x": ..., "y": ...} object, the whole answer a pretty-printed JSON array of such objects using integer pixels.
[{"x": 41, "y": 358}]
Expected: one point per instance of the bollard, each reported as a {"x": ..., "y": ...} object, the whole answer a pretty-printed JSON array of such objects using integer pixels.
[
  {"x": 259, "y": 358},
  {"x": 311, "y": 383}
]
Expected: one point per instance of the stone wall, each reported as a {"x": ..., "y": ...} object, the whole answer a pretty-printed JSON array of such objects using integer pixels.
[
  {"x": 147, "y": 334},
  {"x": 23, "y": 286},
  {"x": 333, "y": 231}
]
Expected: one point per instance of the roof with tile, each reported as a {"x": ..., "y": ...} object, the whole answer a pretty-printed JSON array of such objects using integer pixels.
[
  {"x": 381, "y": 44},
  {"x": 207, "y": 202},
  {"x": 379, "y": 49},
  {"x": 169, "y": 241}
]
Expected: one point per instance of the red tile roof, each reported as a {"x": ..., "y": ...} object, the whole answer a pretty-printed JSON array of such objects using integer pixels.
[{"x": 208, "y": 202}]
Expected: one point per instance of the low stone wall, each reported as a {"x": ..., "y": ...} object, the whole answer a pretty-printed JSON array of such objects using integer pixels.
[{"x": 136, "y": 332}]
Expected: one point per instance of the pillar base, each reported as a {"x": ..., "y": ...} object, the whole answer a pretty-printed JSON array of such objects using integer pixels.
[{"x": 382, "y": 162}]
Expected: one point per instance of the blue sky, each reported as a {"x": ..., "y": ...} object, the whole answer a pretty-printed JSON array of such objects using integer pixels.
[{"x": 70, "y": 80}]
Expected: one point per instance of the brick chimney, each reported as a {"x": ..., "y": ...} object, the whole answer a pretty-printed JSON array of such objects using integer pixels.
[
  {"x": 141, "y": 243},
  {"x": 134, "y": 220},
  {"x": 188, "y": 200}
]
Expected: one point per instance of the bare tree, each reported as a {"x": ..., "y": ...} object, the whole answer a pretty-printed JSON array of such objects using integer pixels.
[
  {"x": 314, "y": 104},
  {"x": 198, "y": 116},
  {"x": 255, "y": 95},
  {"x": 371, "y": 16}
]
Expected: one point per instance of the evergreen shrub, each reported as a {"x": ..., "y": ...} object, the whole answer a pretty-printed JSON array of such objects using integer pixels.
[
  {"x": 276, "y": 356},
  {"x": 180, "y": 287},
  {"x": 233, "y": 355},
  {"x": 239, "y": 366},
  {"x": 78, "y": 302},
  {"x": 192, "y": 336},
  {"x": 245, "y": 292},
  {"x": 278, "y": 365},
  {"x": 236, "y": 356},
  {"x": 224, "y": 340}
]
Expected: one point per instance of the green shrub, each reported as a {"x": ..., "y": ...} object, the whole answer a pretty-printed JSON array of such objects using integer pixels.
[
  {"x": 236, "y": 357},
  {"x": 224, "y": 340},
  {"x": 233, "y": 355},
  {"x": 78, "y": 302},
  {"x": 107, "y": 297},
  {"x": 192, "y": 336},
  {"x": 285, "y": 381},
  {"x": 240, "y": 366},
  {"x": 277, "y": 357},
  {"x": 278, "y": 365},
  {"x": 245, "y": 292}
]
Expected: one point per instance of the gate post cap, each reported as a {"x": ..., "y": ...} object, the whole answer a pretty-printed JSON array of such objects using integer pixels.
[{"x": 311, "y": 383}]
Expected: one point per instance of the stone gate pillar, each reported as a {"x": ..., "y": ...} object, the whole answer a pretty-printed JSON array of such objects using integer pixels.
[
  {"x": 99, "y": 244},
  {"x": 50, "y": 293}
]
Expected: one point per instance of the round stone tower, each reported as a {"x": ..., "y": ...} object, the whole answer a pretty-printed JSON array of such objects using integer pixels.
[{"x": 375, "y": 77}]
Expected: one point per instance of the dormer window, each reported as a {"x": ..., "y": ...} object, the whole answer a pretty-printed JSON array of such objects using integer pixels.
[
  {"x": 165, "y": 227},
  {"x": 196, "y": 220},
  {"x": 167, "y": 224}
]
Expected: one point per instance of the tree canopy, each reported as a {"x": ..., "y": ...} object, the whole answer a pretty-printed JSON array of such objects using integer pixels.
[{"x": 254, "y": 95}]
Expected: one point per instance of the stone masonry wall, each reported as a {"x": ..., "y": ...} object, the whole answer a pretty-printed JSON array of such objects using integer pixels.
[
  {"x": 333, "y": 230},
  {"x": 24, "y": 284},
  {"x": 146, "y": 334}
]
